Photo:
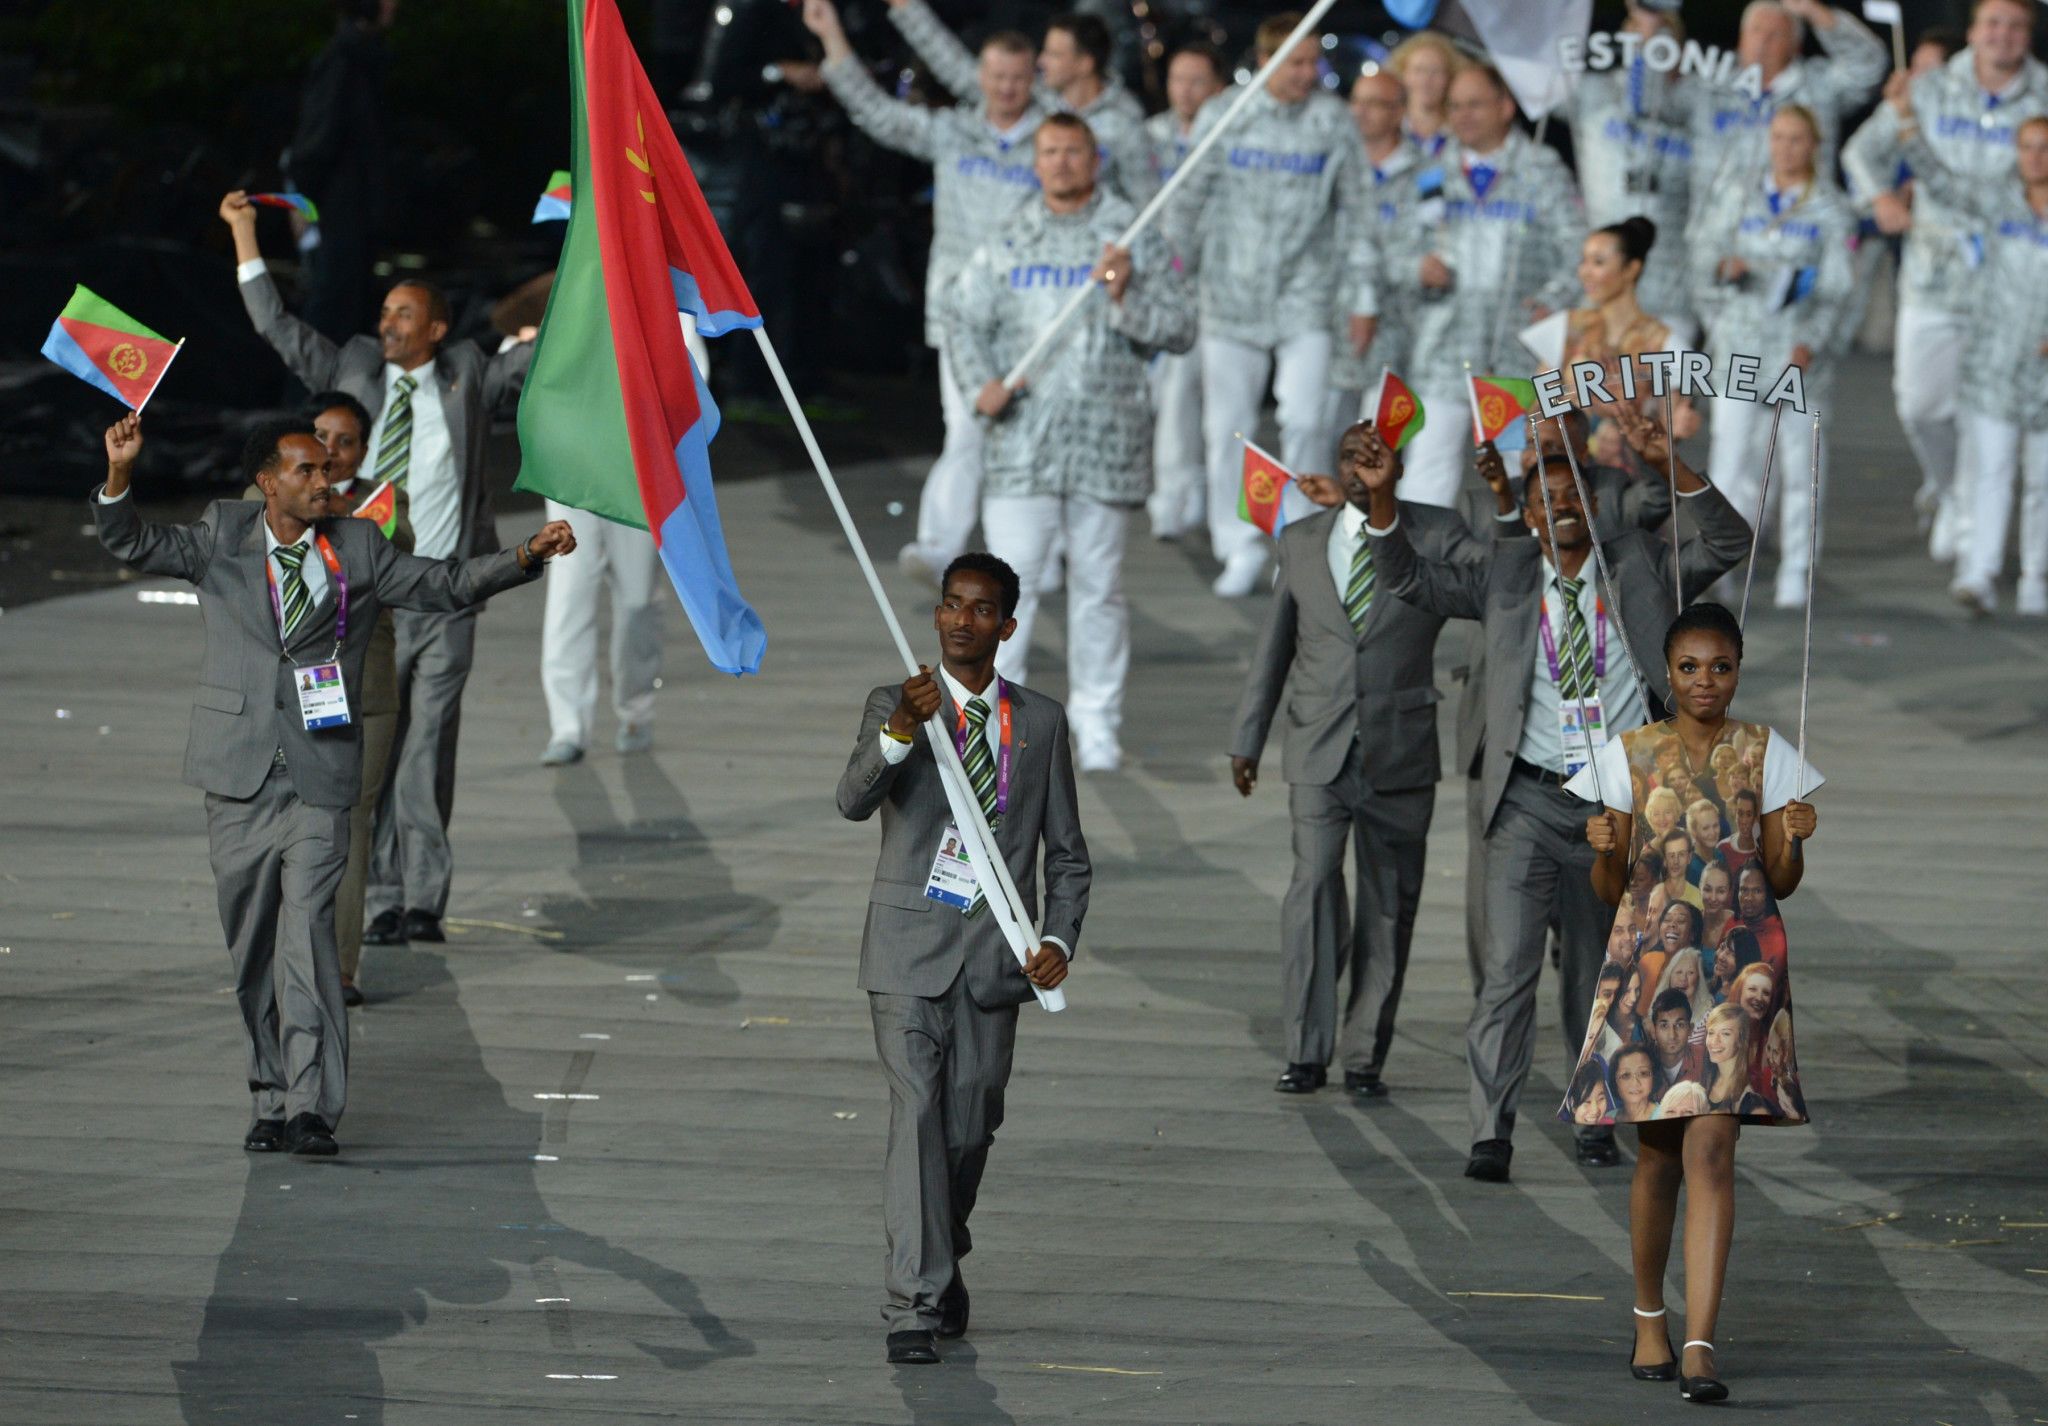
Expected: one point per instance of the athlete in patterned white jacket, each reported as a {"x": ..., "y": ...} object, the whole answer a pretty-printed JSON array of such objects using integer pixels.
[
  {"x": 1180, "y": 475},
  {"x": 1505, "y": 225},
  {"x": 1266, "y": 220},
  {"x": 981, "y": 171},
  {"x": 1068, "y": 456},
  {"x": 1968, "y": 110}
]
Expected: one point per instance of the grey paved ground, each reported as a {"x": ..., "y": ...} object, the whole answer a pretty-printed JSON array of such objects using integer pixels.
[{"x": 695, "y": 1236}]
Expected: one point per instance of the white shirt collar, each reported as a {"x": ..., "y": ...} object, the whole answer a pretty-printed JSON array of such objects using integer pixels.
[
  {"x": 1352, "y": 519},
  {"x": 272, "y": 544},
  {"x": 960, "y": 693}
]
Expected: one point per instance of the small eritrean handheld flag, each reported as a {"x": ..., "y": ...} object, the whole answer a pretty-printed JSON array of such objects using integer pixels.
[
  {"x": 1499, "y": 406},
  {"x": 296, "y": 202},
  {"x": 554, "y": 199},
  {"x": 615, "y": 417},
  {"x": 97, "y": 341},
  {"x": 380, "y": 507},
  {"x": 1265, "y": 481},
  {"x": 1400, "y": 414}
]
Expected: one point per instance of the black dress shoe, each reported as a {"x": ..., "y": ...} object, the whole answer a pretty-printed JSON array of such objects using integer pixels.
[
  {"x": 308, "y": 1136},
  {"x": 1598, "y": 1150},
  {"x": 351, "y": 994},
  {"x": 423, "y": 926},
  {"x": 1364, "y": 1084},
  {"x": 1489, "y": 1161},
  {"x": 1302, "y": 1079},
  {"x": 265, "y": 1136},
  {"x": 953, "y": 1309},
  {"x": 1702, "y": 1390},
  {"x": 386, "y": 928},
  {"x": 913, "y": 1349}
]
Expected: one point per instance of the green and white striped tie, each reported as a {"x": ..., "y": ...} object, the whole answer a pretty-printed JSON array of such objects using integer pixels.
[
  {"x": 293, "y": 598},
  {"x": 981, "y": 773},
  {"x": 1577, "y": 679},
  {"x": 1358, "y": 589},
  {"x": 394, "y": 446}
]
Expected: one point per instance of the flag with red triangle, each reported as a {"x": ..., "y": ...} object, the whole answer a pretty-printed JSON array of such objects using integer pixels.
[
  {"x": 1265, "y": 482},
  {"x": 1400, "y": 414},
  {"x": 98, "y": 342}
]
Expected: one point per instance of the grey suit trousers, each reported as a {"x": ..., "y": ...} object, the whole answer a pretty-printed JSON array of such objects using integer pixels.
[
  {"x": 277, "y": 863},
  {"x": 412, "y": 865},
  {"x": 1323, "y": 939},
  {"x": 948, "y": 1062},
  {"x": 1538, "y": 866},
  {"x": 380, "y": 735}
]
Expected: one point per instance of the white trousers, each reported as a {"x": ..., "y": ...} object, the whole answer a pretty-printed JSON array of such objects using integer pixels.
[
  {"x": 1999, "y": 451},
  {"x": 952, "y": 489},
  {"x": 1735, "y": 464},
  {"x": 1927, "y": 365},
  {"x": 1433, "y": 465},
  {"x": 611, "y": 554},
  {"x": 1340, "y": 414},
  {"x": 1021, "y": 530},
  {"x": 1180, "y": 479},
  {"x": 1233, "y": 392}
]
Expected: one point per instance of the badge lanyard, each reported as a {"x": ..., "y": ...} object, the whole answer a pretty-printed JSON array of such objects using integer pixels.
[
  {"x": 340, "y": 595},
  {"x": 1002, "y": 758},
  {"x": 1599, "y": 641}
]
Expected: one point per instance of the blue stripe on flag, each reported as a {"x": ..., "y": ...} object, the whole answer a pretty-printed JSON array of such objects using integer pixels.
[
  {"x": 709, "y": 324},
  {"x": 550, "y": 210},
  {"x": 61, "y": 349},
  {"x": 692, "y": 544}
]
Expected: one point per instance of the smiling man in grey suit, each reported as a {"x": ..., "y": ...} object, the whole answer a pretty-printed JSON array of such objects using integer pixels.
[
  {"x": 285, "y": 590},
  {"x": 1362, "y": 764},
  {"x": 1551, "y": 638},
  {"x": 943, "y": 985}
]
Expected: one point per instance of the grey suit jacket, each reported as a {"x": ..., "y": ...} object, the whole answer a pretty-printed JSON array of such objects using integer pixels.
[
  {"x": 246, "y": 708},
  {"x": 914, "y": 946},
  {"x": 472, "y": 386},
  {"x": 1376, "y": 684},
  {"x": 1503, "y": 594}
]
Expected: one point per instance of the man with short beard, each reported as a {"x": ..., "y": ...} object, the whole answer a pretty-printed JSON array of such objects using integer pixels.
[{"x": 1679, "y": 1055}]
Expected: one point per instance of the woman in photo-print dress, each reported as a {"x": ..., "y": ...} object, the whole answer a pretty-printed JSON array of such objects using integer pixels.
[{"x": 1747, "y": 1072}]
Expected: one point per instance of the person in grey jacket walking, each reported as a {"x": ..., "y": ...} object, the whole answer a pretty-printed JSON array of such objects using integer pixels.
[
  {"x": 1068, "y": 456},
  {"x": 290, "y": 597},
  {"x": 981, "y": 172}
]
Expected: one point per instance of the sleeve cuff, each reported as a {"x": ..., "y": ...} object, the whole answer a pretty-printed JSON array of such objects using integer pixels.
[
  {"x": 893, "y": 752},
  {"x": 101, "y": 497},
  {"x": 1689, "y": 494},
  {"x": 1509, "y": 518},
  {"x": 1370, "y": 530},
  {"x": 1065, "y": 949},
  {"x": 251, "y": 270}
]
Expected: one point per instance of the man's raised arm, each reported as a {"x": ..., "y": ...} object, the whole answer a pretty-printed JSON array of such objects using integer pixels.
[{"x": 309, "y": 355}]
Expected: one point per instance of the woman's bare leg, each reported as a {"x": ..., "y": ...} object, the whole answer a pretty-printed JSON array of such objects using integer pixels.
[
  {"x": 1709, "y": 1225},
  {"x": 1652, "y": 1208}
]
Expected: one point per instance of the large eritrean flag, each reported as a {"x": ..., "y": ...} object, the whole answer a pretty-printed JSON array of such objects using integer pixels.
[
  {"x": 615, "y": 418},
  {"x": 95, "y": 340}
]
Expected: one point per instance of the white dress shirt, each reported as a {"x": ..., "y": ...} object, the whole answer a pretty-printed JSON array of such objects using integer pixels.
[
  {"x": 313, "y": 569},
  {"x": 1621, "y": 694},
  {"x": 432, "y": 483},
  {"x": 1346, "y": 535}
]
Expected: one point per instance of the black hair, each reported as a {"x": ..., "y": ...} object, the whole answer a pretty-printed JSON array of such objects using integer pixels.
[
  {"x": 1634, "y": 235},
  {"x": 259, "y": 452},
  {"x": 1749, "y": 792},
  {"x": 1009, "y": 588},
  {"x": 1089, "y": 35},
  {"x": 1591, "y": 1075},
  {"x": 437, "y": 300},
  {"x": 1705, "y": 617},
  {"x": 323, "y": 402},
  {"x": 1699, "y": 920},
  {"x": 1612, "y": 970},
  {"x": 1950, "y": 42},
  {"x": 1532, "y": 492},
  {"x": 1203, "y": 50},
  {"x": 1669, "y": 1000}
]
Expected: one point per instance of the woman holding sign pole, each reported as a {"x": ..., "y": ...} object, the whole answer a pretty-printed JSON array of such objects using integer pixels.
[
  {"x": 1772, "y": 264},
  {"x": 2004, "y": 390}
]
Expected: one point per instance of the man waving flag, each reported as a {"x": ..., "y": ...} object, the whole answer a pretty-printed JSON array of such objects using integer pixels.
[{"x": 615, "y": 418}]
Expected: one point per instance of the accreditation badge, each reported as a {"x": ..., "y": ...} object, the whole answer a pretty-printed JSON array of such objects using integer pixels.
[
  {"x": 1582, "y": 723},
  {"x": 952, "y": 881},
  {"x": 323, "y": 700}
]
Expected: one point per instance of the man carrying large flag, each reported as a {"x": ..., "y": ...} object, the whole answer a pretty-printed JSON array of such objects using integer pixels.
[{"x": 615, "y": 418}]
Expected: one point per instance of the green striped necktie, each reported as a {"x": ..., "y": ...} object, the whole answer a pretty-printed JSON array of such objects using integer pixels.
[
  {"x": 1578, "y": 677},
  {"x": 293, "y": 598},
  {"x": 394, "y": 447},
  {"x": 981, "y": 773},
  {"x": 1358, "y": 589}
]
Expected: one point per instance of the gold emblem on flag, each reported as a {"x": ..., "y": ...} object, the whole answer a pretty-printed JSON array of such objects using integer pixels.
[
  {"x": 127, "y": 361},
  {"x": 639, "y": 160},
  {"x": 1262, "y": 486},
  {"x": 1402, "y": 409},
  {"x": 1493, "y": 412}
]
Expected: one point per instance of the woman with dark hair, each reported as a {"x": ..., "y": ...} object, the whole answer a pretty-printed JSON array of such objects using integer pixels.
[
  {"x": 1678, "y": 929},
  {"x": 1634, "y": 1084},
  {"x": 1615, "y": 328},
  {"x": 1696, "y": 1150},
  {"x": 1736, "y": 953},
  {"x": 1624, "y": 1021},
  {"x": 1758, "y": 911},
  {"x": 1587, "y": 1101}
]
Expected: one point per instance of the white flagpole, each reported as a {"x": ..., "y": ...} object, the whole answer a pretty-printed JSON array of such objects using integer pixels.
[
  {"x": 1671, "y": 449},
  {"x": 1152, "y": 209},
  {"x": 1370, "y": 410},
  {"x": 1763, "y": 501},
  {"x": 966, "y": 807},
  {"x": 162, "y": 374},
  {"x": 1550, "y": 524},
  {"x": 1472, "y": 394},
  {"x": 1599, "y": 555},
  {"x": 1812, "y": 559}
]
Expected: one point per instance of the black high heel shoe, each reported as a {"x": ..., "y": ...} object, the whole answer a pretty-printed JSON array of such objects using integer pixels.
[
  {"x": 1661, "y": 1371},
  {"x": 1701, "y": 1390}
]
